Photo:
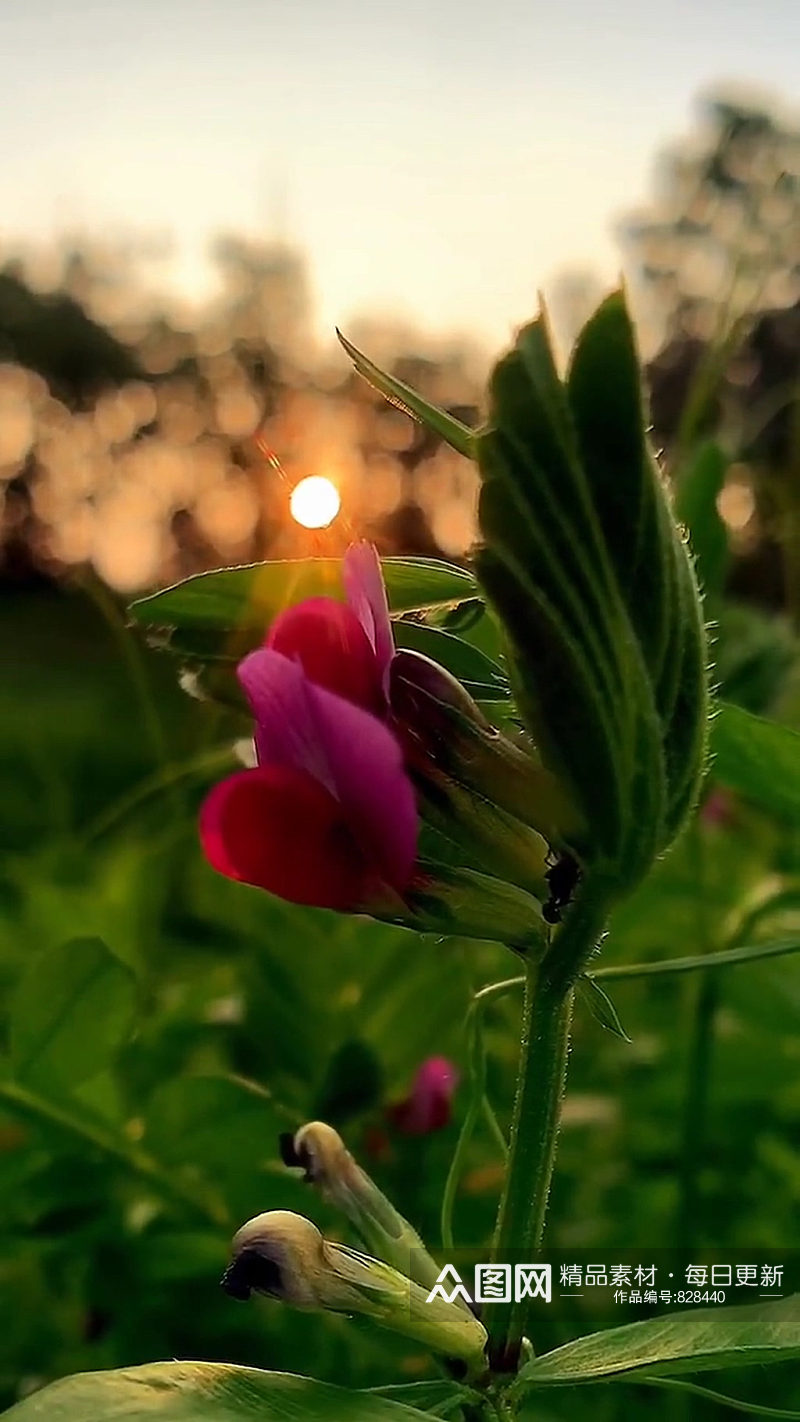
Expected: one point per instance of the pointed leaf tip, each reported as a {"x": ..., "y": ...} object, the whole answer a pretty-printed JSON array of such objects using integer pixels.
[{"x": 454, "y": 432}]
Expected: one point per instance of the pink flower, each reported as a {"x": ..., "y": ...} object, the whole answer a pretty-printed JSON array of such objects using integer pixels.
[
  {"x": 718, "y": 808},
  {"x": 347, "y": 647},
  {"x": 427, "y": 1108},
  {"x": 328, "y": 816}
]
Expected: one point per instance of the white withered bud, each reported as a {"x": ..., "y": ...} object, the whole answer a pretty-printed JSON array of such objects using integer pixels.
[
  {"x": 320, "y": 1151},
  {"x": 284, "y": 1256}
]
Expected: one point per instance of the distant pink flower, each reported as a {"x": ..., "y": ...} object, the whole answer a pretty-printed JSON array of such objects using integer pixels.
[
  {"x": 427, "y": 1108},
  {"x": 718, "y": 808},
  {"x": 328, "y": 816}
]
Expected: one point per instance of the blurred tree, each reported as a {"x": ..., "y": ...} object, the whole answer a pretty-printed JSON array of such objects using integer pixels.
[
  {"x": 54, "y": 336},
  {"x": 715, "y": 266},
  {"x": 722, "y": 238},
  {"x": 572, "y": 296},
  {"x": 265, "y": 296}
]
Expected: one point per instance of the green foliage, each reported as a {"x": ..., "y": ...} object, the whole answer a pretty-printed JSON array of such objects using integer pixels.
[
  {"x": 120, "y": 1193},
  {"x": 758, "y": 759},
  {"x": 596, "y": 590},
  {"x": 600, "y": 1005},
  {"x": 483, "y": 678},
  {"x": 737, "y": 1404},
  {"x": 204, "y": 1392},
  {"x": 700, "y": 485},
  {"x": 144, "y": 1085},
  {"x": 437, "y": 1397},
  {"x": 72, "y": 1011},
  {"x": 453, "y": 431},
  {"x": 690, "y": 1342},
  {"x": 248, "y": 599},
  {"x": 753, "y": 656}
]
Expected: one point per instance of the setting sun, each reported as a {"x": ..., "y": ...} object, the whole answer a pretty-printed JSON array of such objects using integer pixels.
[{"x": 314, "y": 502}]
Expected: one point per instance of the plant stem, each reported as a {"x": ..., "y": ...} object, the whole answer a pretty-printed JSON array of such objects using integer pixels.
[{"x": 546, "y": 1021}]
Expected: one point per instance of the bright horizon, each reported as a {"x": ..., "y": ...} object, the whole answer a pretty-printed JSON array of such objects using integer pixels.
[{"x": 436, "y": 165}]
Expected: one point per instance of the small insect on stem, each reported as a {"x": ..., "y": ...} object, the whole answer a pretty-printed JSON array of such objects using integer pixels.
[{"x": 562, "y": 878}]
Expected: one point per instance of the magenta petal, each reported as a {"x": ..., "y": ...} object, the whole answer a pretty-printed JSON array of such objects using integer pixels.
[
  {"x": 327, "y": 639},
  {"x": 366, "y": 594},
  {"x": 279, "y": 829},
  {"x": 347, "y": 750},
  {"x": 366, "y": 765},
  {"x": 286, "y": 720}
]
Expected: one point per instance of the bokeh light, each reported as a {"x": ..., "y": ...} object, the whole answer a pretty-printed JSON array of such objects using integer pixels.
[{"x": 314, "y": 502}]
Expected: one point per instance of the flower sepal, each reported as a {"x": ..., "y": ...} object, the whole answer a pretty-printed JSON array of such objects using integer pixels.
[{"x": 453, "y": 902}]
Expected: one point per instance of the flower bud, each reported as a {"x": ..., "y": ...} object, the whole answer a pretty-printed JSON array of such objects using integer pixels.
[
  {"x": 320, "y": 1151},
  {"x": 284, "y": 1256},
  {"x": 445, "y": 733},
  {"x": 281, "y": 1255},
  {"x": 414, "y": 672}
]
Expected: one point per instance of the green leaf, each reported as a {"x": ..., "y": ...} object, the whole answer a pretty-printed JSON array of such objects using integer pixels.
[
  {"x": 463, "y": 618},
  {"x": 220, "y": 1124},
  {"x": 247, "y": 599},
  {"x": 438, "y": 1397},
  {"x": 759, "y": 759},
  {"x": 767, "y": 1003},
  {"x": 753, "y": 655},
  {"x": 649, "y": 558},
  {"x": 72, "y": 1010},
  {"x": 352, "y": 1084},
  {"x": 203, "y": 1392},
  {"x": 691, "y": 1342},
  {"x": 605, "y": 397},
  {"x": 592, "y": 580},
  {"x": 699, "y": 487},
  {"x": 458, "y": 435},
  {"x": 699, "y": 962},
  {"x": 601, "y": 1006},
  {"x": 544, "y": 570},
  {"x": 481, "y": 676},
  {"x": 737, "y": 1404}
]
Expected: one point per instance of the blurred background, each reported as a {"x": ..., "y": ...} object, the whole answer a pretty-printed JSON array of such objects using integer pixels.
[{"x": 193, "y": 196}]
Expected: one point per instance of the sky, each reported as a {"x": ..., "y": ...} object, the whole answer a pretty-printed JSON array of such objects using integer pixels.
[{"x": 438, "y": 161}]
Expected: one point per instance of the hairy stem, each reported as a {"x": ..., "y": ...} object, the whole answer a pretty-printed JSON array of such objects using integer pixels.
[{"x": 546, "y": 1021}]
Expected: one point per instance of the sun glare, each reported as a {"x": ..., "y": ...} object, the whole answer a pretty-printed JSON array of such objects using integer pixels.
[{"x": 314, "y": 502}]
